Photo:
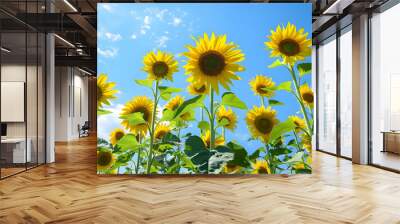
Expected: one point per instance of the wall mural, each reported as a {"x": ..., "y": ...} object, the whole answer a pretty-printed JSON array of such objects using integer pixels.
[{"x": 204, "y": 89}]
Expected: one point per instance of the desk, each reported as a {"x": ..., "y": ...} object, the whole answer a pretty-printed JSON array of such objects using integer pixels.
[
  {"x": 18, "y": 149},
  {"x": 391, "y": 141}
]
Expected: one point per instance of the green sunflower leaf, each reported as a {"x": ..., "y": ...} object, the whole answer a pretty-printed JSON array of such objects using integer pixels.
[
  {"x": 223, "y": 122},
  {"x": 198, "y": 153},
  {"x": 203, "y": 125},
  {"x": 103, "y": 112},
  {"x": 144, "y": 82},
  {"x": 189, "y": 105},
  {"x": 168, "y": 115},
  {"x": 296, "y": 158},
  {"x": 128, "y": 142},
  {"x": 134, "y": 118},
  {"x": 272, "y": 102},
  {"x": 240, "y": 155},
  {"x": 254, "y": 156},
  {"x": 218, "y": 160},
  {"x": 281, "y": 129},
  {"x": 166, "y": 92},
  {"x": 230, "y": 99},
  {"x": 287, "y": 86},
  {"x": 276, "y": 63},
  {"x": 304, "y": 69}
]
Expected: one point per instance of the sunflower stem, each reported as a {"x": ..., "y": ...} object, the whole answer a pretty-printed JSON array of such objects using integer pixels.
[
  {"x": 212, "y": 137},
  {"x": 150, "y": 160},
  {"x": 138, "y": 156},
  {"x": 303, "y": 108},
  {"x": 262, "y": 101},
  {"x": 297, "y": 140}
]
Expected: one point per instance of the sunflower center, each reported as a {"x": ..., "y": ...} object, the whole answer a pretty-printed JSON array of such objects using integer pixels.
[
  {"x": 119, "y": 135},
  {"x": 212, "y": 63},
  {"x": 99, "y": 93},
  {"x": 289, "y": 47},
  {"x": 264, "y": 125},
  {"x": 161, "y": 134},
  {"x": 104, "y": 158},
  {"x": 263, "y": 170},
  {"x": 308, "y": 97},
  {"x": 261, "y": 90},
  {"x": 160, "y": 69},
  {"x": 144, "y": 111}
]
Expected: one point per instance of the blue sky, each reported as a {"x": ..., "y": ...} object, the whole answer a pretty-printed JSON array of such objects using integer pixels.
[{"x": 127, "y": 32}]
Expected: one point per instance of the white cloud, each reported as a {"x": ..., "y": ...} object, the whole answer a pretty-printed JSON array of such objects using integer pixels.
[
  {"x": 176, "y": 21},
  {"x": 146, "y": 25},
  {"x": 107, "y": 123},
  {"x": 133, "y": 36},
  {"x": 113, "y": 36},
  {"x": 162, "y": 41},
  {"x": 108, "y": 53},
  {"x": 106, "y": 7}
]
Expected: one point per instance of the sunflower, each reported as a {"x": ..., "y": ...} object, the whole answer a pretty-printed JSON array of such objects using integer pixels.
[
  {"x": 105, "y": 91},
  {"x": 302, "y": 165},
  {"x": 207, "y": 139},
  {"x": 306, "y": 141},
  {"x": 298, "y": 122},
  {"x": 307, "y": 95},
  {"x": 160, "y": 65},
  {"x": 259, "y": 83},
  {"x": 261, "y": 167},
  {"x": 229, "y": 115},
  {"x": 213, "y": 61},
  {"x": 231, "y": 168},
  {"x": 289, "y": 43},
  {"x": 116, "y": 135},
  {"x": 105, "y": 160},
  {"x": 140, "y": 104},
  {"x": 174, "y": 104},
  {"x": 198, "y": 89},
  {"x": 261, "y": 121},
  {"x": 162, "y": 129}
]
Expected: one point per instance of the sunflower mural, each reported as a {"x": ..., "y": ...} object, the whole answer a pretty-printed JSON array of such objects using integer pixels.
[{"x": 213, "y": 99}]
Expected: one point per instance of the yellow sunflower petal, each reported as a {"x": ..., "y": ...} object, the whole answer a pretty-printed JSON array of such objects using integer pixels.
[{"x": 212, "y": 61}]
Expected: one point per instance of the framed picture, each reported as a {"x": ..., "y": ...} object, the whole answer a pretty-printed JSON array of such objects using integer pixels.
[{"x": 204, "y": 88}]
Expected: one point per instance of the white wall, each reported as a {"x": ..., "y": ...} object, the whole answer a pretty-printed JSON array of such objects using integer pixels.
[{"x": 71, "y": 102}]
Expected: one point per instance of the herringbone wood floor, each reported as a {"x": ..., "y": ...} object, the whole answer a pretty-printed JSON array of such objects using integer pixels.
[{"x": 70, "y": 192}]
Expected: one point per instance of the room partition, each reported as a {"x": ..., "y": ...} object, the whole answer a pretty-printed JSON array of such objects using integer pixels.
[{"x": 22, "y": 77}]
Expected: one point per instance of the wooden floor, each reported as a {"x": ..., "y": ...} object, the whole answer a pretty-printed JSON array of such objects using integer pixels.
[{"x": 70, "y": 192}]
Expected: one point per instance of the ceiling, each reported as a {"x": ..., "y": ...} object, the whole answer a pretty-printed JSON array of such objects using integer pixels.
[{"x": 75, "y": 22}]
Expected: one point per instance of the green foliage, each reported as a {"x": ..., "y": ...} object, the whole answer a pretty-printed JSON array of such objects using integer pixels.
[
  {"x": 223, "y": 122},
  {"x": 144, "y": 82},
  {"x": 134, "y": 118},
  {"x": 304, "y": 69},
  {"x": 272, "y": 102},
  {"x": 198, "y": 153},
  {"x": 103, "y": 112},
  {"x": 203, "y": 125},
  {"x": 189, "y": 105},
  {"x": 281, "y": 129},
  {"x": 287, "y": 86},
  {"x": 230, "y": 99},
  {"x": 128, "y": 142},
  {"x": 218, "y": 160},
  {"x": 240, "y": 155},
  {"x": 166, "y": 92},
  {"x": 276, "y": 63}
]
